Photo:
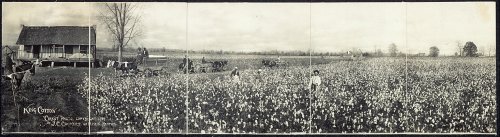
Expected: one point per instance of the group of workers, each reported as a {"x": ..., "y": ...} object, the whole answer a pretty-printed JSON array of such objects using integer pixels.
[
  {"x": 314, "y": 82},
  {"x": 142, "y": 55}
]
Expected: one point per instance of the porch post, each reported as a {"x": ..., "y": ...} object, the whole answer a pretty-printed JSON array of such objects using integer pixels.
[
  {"x": 32, "y": 53},
  {"x": 40, "y": 54},
  {"x": 64, "y": 51}
]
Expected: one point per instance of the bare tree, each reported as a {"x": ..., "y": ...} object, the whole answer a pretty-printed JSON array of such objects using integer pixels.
[
  {"x": 122, "y": 23},
  {"x": 459, "y": 47},
  {"x": 491, "y": 48},
  {"x": 481, "y": 50}
]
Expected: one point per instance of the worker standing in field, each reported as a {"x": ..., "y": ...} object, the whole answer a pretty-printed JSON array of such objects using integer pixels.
[
  {"x": 315, "y": 81},
  {"x": 186, "y": 60},
  {"x": 7, "y": 60},
  {"x": 186, "y": 64},
  {"x": 235, "y": 74},
  {"x": 259, "y": 75},
  {"x": 145, "y": 54},
  {"x": 139, "y": 56},
  {"x": 203, "y": 60},
  {"x": 9, "y": 64}
]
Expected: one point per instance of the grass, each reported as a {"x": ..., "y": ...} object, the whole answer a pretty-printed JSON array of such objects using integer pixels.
[{"x": 48, "y": 88}]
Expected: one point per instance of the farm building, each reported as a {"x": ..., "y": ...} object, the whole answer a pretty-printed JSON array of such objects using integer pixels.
[{"x": 57, "y": 44}]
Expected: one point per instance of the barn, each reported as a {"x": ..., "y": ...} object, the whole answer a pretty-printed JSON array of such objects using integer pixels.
[{"x": 58, "y": 45}]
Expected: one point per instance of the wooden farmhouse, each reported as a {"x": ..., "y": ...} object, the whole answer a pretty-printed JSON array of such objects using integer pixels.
[{"x": 60, "y": 45}]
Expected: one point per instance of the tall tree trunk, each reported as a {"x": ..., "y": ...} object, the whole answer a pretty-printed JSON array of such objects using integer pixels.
[{"x": 120, "y": 53}]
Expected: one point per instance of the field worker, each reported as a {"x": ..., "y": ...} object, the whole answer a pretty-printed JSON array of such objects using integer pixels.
[
  {"x": 145, "y": 55},
  {"x": 259, "y": 75},
  {"x": 203, "y": 60},
  {"x": 139, "y": 56},
  {"x": 279, "y": 59},
  {"x": 139, "y": 51},
  {"x": 9, "y": 64},
  {"x": 235, "y": 74},
  {"x": 315, "y": 80},
  {"x": 185, "y": 60}
]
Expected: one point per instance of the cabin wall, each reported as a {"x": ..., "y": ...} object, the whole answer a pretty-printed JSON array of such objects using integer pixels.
[
  {"x": 57, "y": 52},
  {"x": 24, "y": 52},
  {"x": 45, "y": 51}
]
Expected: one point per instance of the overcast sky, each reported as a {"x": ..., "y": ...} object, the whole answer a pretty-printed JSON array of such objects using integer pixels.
[{"x": 414, "y": 27}]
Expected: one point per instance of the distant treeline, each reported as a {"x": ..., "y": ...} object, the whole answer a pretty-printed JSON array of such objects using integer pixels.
[{"x": 272, "y": 52}]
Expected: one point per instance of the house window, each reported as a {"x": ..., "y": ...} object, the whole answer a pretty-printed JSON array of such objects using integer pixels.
[
  {"x": 84, "y": 49},
  {"x": 27, "y": 48},
  {"x": 58, "y": 49},
  {"x": 68, "y": 49}
]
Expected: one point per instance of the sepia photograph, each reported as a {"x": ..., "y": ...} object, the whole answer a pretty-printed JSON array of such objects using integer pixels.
[{"x": 305, "y": 68}]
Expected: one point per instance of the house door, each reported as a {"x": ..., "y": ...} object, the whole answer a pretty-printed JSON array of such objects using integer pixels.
[
  {"x": 68, "y": 51},
  {"x": 36, "y": 51}
]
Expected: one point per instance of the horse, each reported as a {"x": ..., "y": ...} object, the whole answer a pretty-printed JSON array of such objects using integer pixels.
[
  {"x": 269, "y": 63},
  {"x": 125, "y": 67},
  {"x": 189, "y": 66},
  {"x": 203, "y": 67},
  {"x": 17, "y": 76},
  {"x": 219, "y": 65}
]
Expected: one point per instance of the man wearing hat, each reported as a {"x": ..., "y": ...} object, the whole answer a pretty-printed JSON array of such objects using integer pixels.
[
  {"x": 315, "y": 80},
  {"x": 259, "y": 75},
  {"x": 235, "y": 72}
]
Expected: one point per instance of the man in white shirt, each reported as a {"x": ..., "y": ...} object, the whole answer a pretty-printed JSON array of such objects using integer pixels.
[{"x": 315, "y": 81}]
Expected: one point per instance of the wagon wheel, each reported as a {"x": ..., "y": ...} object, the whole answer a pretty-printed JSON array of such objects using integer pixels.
[
  {"x": 163, "y": 70},
  {"x": 284, "y": 64},
  {"x": 196, "y": 68},
  {"x": 208, "y": 69}
]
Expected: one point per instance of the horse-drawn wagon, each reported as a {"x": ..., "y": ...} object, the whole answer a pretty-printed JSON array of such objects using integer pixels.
[
  {"x": 133, "y": 68},
  {"x": 274, "y": 63},
  {"x": 203, "y": 67},
  {"x": 216, "y": 66}
]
